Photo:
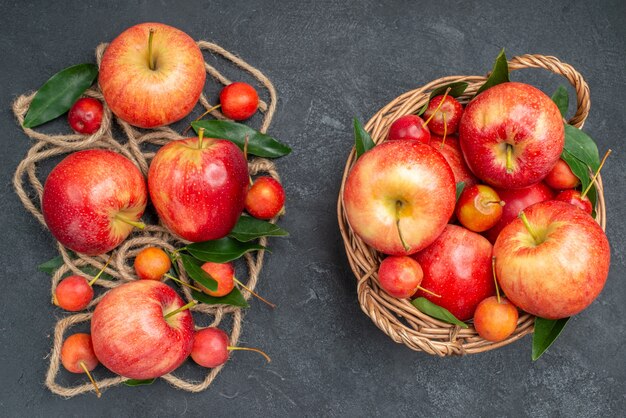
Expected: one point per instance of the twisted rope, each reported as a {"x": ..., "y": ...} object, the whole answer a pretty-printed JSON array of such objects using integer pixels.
[{"x": 29, "y": 189}]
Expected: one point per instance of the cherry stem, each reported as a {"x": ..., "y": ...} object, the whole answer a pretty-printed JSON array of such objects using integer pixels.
[
  {"x": 443, "y": 99},
  {"x": 101, "y": 271},
  {"x": 136, "y": 224},
  {"x": 529, "y": 228},
  {"x": 177, "y": 280},
  {"x": 93, "y": 382},
  {"x": 428, "y": 291},
  {"x": 509, "y": 156},
  {"x": 495, "y": 279},
  {"x": 253, "y": 293},
  {"x": 398, "y": 207},
  {"x": 245, "y": 147},
  {"x": 201, "y": 116},
  {"x": 595, "y": 176},
  {"x": 151, "y": 63},
  {"x": 200, "y": 137},
  {"x": 256, "y": 350},
  {"x": 182, "y": 308},
  {"x": 445, "y": 131}
]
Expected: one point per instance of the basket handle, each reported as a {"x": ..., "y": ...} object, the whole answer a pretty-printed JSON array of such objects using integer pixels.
[{"x": 554, "y": 65}]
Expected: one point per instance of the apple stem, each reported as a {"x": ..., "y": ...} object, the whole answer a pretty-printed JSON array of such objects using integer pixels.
[
  {"x": 595, "y": 176},
  {"x": 253, "y": 293},
  {"x": 182, "y": 308},
  {"x": 201, "y": 116},
  {"x": 529, "y": 228},
  {"x": 438, "y": 107},
  {"x": 495, "y": 279},
  {"x": 398, "y": 207},
  {"x": 151, "y": 63},
  {"x": 136, "y": 224},
  {"x": 200, "y": 137},
  {"x": 494, "y": 202},
  {"x": 101, "y": 271},
  {"x": 93, "y": 382},
  {"x": 177, "y": 280},
  {"x": 509, "y": 156},
  {"x": 256, "y": 350},
  {"x": 428, "y": 291}
]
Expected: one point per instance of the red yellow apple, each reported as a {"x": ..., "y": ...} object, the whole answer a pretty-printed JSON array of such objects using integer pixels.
[
  {"x": 198, "y": 187},
  {"x": 555, "y": 266},
  {"x": 512, "y": 135},
  {"x": 152, "y": 82},
  {"x": 92, "y": 200},
  {"x": 457, "y": 266},
  {"x": 399, "y": 196},
  {"x": 132, "y": 337}
]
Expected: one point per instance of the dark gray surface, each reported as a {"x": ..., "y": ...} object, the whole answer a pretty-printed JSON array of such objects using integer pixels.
[{"x": 329, "y": 62}]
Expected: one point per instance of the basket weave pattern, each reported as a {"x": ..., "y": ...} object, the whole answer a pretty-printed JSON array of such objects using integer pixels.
[{"x": 397, "y": 318}]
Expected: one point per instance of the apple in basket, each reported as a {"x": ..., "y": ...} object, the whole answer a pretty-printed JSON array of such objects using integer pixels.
[
  {"x": 152, "y": 75},
  {"x": 511, "y": 135},
  {"x": 399, "y": 196},
  {"x": 137, "y": 333},
  {"x": 198, "y": 187},
  {"x": 553, "y": 261},
  {"x": 92, "y": 200}
]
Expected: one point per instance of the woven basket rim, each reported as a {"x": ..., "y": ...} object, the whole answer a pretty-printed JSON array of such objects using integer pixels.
[{"x": 397, "y": 318}]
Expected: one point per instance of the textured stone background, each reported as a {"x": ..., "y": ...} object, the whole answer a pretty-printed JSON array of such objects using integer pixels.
[{"x": 330, "y": 61}]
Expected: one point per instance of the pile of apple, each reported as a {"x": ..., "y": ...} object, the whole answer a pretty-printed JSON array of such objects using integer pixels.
[
  {"x": 475, "y": 200},
  {"x": 152, "y": 75}
]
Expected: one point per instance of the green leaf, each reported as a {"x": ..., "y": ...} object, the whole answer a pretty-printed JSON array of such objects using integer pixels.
[
  {"x": 580, "y": 169},
  {"x": 51, "y": 265},
  {"x": 234, "y": 298},
  {"x": 259, "y": 144},
  {"x": 436, "y": 311},
  {"x": 194, "y": 270},
  {"x": 456, "y": 89},
  {"x": 499, "y": 73},
  {"x": 459, "y": 189},
  {"x": 249, "y": 228},
  {"x": 221, "y": 250},
  {"x": 561, "y": 99},
  {"x": 581, "y": 146},
  {"x": 546, "y": 331},
  {"x": 362, "y": 139},
  {"x": 59, "y": 93},
  {"x": 138, "y": 382}
]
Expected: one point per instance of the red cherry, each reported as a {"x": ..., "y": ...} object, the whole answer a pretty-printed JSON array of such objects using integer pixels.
[
  {"x": 495, "y": 320},
  {"x": 77, "y": 356},
  {"x": 561, "y": 177},
  {"x": 152, "y": 263},
  {"x": 265, "y": 199},
  {"x": 410, "y": 127},
  {"x": 85, "y": 116},
  {"x": 446, "y": 119},
  {"x": 73, "y": 293},
  {"x": 239, "y": 101},
  {"x": 210, "y": 348},
  {"x": 400, "y": 276},
  {"x": 223, "y": 274},
  {"x": 574, "y": 197}
]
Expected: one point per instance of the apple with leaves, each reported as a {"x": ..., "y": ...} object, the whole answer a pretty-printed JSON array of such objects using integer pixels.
[
  {"x": 152, "y": 75},
  {"x": 399, "y": 196},
  {"x": 511, "y": 135},
  {"x": 553, "y": 261}
]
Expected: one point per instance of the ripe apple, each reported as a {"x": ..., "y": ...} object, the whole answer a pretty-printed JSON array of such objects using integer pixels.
[
  {"x": 515, "y": 201},
  {"x": 451, "y": 151},
  {"x": 512, "y": 135},
  {"x": 132, "y": 337},
  {"x": 399, "y": 196},
  {"x": 152, "y": 75},
  {"x": 555, "y": 262},
  {"x": 92, "y": 199},
  {"x": 457, "y": 266},
  {"x": 410, "y": 127},
  {"x": 198, "y": 187}
]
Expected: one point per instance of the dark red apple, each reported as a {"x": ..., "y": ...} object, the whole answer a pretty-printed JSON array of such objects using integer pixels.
[
  {"x": 198, "y": 187},
  {"x": 132, "y": 337},
  {"x": 555, "y": 262},
  {"x": 457, "y": 266},
  {"x": 92, "y": 200},
  {"x": 511, "y": 135}
]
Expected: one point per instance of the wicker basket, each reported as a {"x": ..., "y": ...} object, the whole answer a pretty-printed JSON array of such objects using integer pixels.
[{"x": 397, "y": 317}]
